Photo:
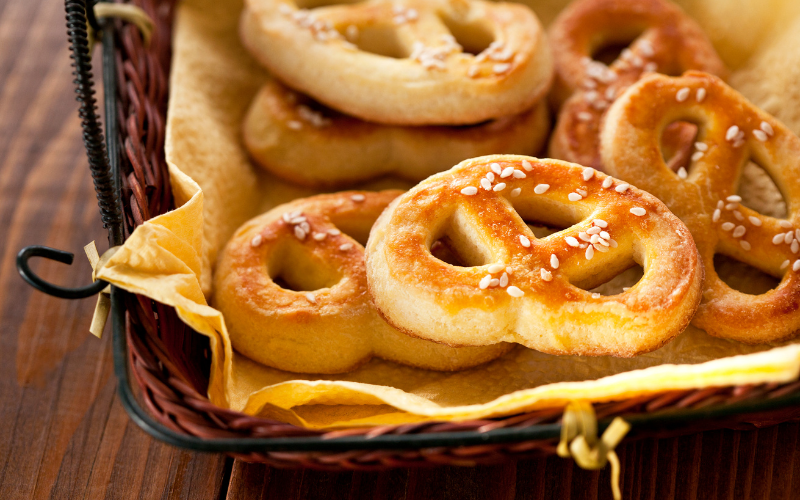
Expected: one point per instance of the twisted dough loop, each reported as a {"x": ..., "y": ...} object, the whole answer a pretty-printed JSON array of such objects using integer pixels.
[
  {"x": 300, "y": 141},
  {"x": 665, "y": 39},
  {"x": 331, "y": 327},
  {"x": 429, "y": 298},
  {"x": 425, "y": 76},
  {"x": 732, "y": 131}
]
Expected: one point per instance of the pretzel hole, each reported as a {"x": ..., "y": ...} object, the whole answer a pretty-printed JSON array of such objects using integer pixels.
[
  {"x": 609, "y": 48},
  {"x": 313, "y": 4},
  {"x": 473, "y": 36},
  {"x": 743, "y": 277},
  {"x": 293, "y": 267},
  {"x": 380, "y": 39},
  {"x": 457, "y": 244},
  {"x": 760, "y": 192},
  {"x": 677, "y": 145},
  {"x": 611, "y": 279}
]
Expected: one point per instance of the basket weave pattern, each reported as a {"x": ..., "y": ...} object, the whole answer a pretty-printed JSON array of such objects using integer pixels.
[{"x": 170, "y": 362}]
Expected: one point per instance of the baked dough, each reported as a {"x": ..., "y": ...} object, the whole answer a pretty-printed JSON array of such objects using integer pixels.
[{"x": 514, "y": 287}]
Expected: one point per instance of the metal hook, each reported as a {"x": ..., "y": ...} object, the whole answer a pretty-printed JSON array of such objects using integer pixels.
[{"x": 56, "y": 291}]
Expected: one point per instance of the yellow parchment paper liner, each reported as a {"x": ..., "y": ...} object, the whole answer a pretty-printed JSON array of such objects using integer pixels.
[{"x": 216, "y": 188}]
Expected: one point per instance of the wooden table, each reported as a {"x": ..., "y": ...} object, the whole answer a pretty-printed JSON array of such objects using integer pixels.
[{"x": 63, "y": 433}]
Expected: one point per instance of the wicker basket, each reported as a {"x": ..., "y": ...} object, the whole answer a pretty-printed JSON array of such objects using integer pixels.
[{"x": 170, "y": 363}]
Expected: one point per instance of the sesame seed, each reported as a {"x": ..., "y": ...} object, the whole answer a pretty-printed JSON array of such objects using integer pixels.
[
  {"x": 697, "y": 155},
  {"x": 346, "y": 247},
  {"x": 595, "y": 295},
  {"x": 754, "y": 220},
  {"x": 796, "y": 265},
  {"x": 496, "y": 168},
  {"x": 785, "y": 224},
  {"x": 515, "y": 192},
  {"x": 594, "y": 239},
  {"x": 299, "y": 233},
  {"x": 507, "y": 172},
  {"x": 603, "y": 242},
  {"x": 593, "y": 230},
  {"x": 334, "y": 232},
  {"x": 494, "y": 282},
  {"x": 613, "y": 243},
  {"x": 760, "y": 135},
  {"x": 638, "y": 211},
  {"x": 571, "y": 241},
  {"x": 589, "y": 83},
  {"x": 795, "y": 246},
  {"x": 584, "y": 236},
  {"x": 738, "y": 143},
  {"x": 589, "y": 252},
  {"x": 490, "y": 176},
  {"x": 298, "y": 220},
  {"x": 554, "y": 261},
  {"x": 739, "y": 231},
  {"x": 514, "y": 291},
  {"x": 599, "y": 104},
  {"x": 582, "y": 192},
  {"x": 508, "y": 269},
  {"x": 496, "y": 268},
  {"x": 469, "y": 191},
  {"x": 731, "y": 206},
  {"x": 738, "y": 215},
  {"x": 519, "y": 174},
  {"x": 311, "y": 298},
  {"x": 650, "y": 67},
  {"x": 484, "y": 283},
  {"x": 720, "y": 204},
  {"x": 766, "y": 127},
  {"x": 305, "y": 227},
  {"x": 785, "y": 264},
  {"x": 701, "y": 146},
  {"x": 716, "y": 216},
  {"x": 591, "y": 96},
  {"x": 600, "y": 247},
  {"x": 501, "y": 68},
  {"x": 607, "y": 182},
  {"x": 788, "y": 238},
  {"x": 541, "y": 188},
  {"x": 682, "y": 94},
  {"x": 473, "y": 70},
  {"x": 622, "y": 188},
  {"x": 256, "y": 241},
  {"x": 701, "y": 94},
  {"x": 527, "y": 165},
  {"x": 682, "y": 174},
  {"x": 797, "y": 233},
  {"x": 584, "y": 245},
  {"x": 504, "y": 280},
  {"x": 485, "y": 184},
  {"x": 778, "y": 239},
  {"x": 319, "y": 236},
  {"x": 727, "y": 226},
  {"x": 646, "y": 48},
  {"x": 358, "y": 197},
  {"x": 605, "y": 235},
  {"x": 600, "y": 223},
  {"x": 610, "y": 93},
  {"x": 626, "y": 288},
  {"x": 525, "y": 241},
  {"x": 745, "y": 245},
  {"x": 499, "y": 187},
  {"x": 732, "y": 132},
  {"x": 584, "y": 116},
  {"x": 294, "y": 125},
  {"x": 574, "y": 197},
  {"x": 545, "y": 274},
  {"x": 734, "y": 198}
]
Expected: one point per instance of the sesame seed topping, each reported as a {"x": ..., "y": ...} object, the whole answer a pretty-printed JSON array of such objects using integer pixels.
[
  {"x": 600, "y": 247},
  {"x": 785, "y": 224},
  {"x": 732, "y": 132},
  {"x": 646, "y": 48},
  {"x": 496, "y": 268},
  {"x": 739, "y": 231},
  {"x": 778, "y": 239},
  {"x": 584, "y": 116},
  {"x": 595, "y": 295},
  {"x": 507, "y": 172},
  {"x": 469, "y": 191},
  {"x": 484, "y": 283},
  {"x": 682, "y": 94},
  {"x": 515, "y": 192},
  {"x": 486, "y": 184},
  {"x": 305, "y": 227},
  {"x": 605, "y": 235},
  {"x": 501, "y": 68},
  {"x": 727, "y": 226},
  {"x": 701, "y": 146},
  {"x": 622, "y": 188},
  {"x": 299, "y": 233},
  {"x": 334, "y": 232},
  {"x": 294, "y": 125},
  {"x": 554, "y": 261},
  {"x": 541, "y": 188},
  {"x": 731, "y": 206},
  {"x": 600, "y": 223},
  {"x": 638, "y": 211},
  {"x": 603, "y": 242},
  {"x": 504, "y": 280},
  {"x": 766, "y": 127},
  {"x": 527, "y": 165},
  {"x": 490, "y": 176},
  {"x": 796, "y": 265},
  {"x": 716, "y": 216},
  {"x": 584, "y": 236},
  {"x": 697, "y": 155},
  {"x": 588, "y": 173},
  {"x": 795, "y": 246},
  {"x": 496, "y": 168},
  {"x": 613, "y": 243},
  {"x": 785, "y": 264},
  {"x": 298, "y": 220},
  {"x": 589, "y": 252},
  {"x": 574, "y": 197},
  {"x": 571, "y": 241},
  {"x": 525, "y": 241},
  {"x": 745, "y": 245},
  {"x": 346, "y": 247},
  {"x": 593, "y": 230},
  {"x": 734, "y": 198},
  {"x": 499, "y": 187},
  {"x": 797, "y": 233},
  {"x": 738, "y": 215},
  {"x": 494, "y": 282},
  {"x": 545, "y": 274},
  {"x": 320, "y": 236},
  {"x": 682, "y": 174},
  {"x": 760, "y": 135},
  {"x": 625, "y": 288},
  {"x": 701, "y": 94},
  {"x": 720, "y": 204},
  {"x": 256, "y": 241},
  {"x": 311, "y": 298},
  {"x": 607, "y": 182},
  {"x": 473, "y": 71},
  {"x": 594, "y": 239},
  {"x": 582, "y": 192},
  {"x": 358, "y": 197},
  {"x": 650, "y": 67},
  {"x": 788, "y": 238},
  {"x": 514, "y": 291},
  {"x": 519, "y": 174},
  {"x": 754, "y": 220}
]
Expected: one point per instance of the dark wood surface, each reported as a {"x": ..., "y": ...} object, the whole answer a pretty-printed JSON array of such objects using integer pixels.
[{"x": 63, "y": 433}]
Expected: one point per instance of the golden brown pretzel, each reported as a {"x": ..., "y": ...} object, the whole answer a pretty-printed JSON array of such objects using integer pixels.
[
  {"x": 731, "y": 130},
  {"x": 412, "y": 70},
  {"x": 303, "y": 142},
  {"x": 517, "y": 288},
  {"x": 665, "y": 40},
  {"x": 315, "y": 244}
]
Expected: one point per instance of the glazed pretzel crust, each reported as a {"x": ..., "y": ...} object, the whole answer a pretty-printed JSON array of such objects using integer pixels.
[
  {"x": 298, "y": 140},
  {"x": 668, "y": 41},
  {"x": 429, "y": 78},
  {"x": 630, "y": 150},
  {"x": 333, "y": 328},
  {"x": 429, "y": 298}
]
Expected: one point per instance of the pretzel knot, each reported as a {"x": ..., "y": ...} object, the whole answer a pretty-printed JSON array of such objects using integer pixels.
[
  {"x": 730, "y": 131},
  {"x": 326, "y": 324},
  {"x": 664, "y": 39},
  {"x": 405, "y": 62},
  {"x": 510, "y": 285},
  {"x": 299, "y": 140}
]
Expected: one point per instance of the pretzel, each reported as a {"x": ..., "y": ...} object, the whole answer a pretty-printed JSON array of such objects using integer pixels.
[
  {"x": 298, "y": 140},
  {"x": 517, "y": 288},
  {"x": 399, "y": 62},
  {"x": 331, "y": 327},
  {"x": 731, "y": 130},
  {"x": 666, "y": 40}
]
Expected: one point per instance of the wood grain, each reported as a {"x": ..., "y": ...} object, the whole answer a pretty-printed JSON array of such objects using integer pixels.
[{"x": 63, "y": 433}]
